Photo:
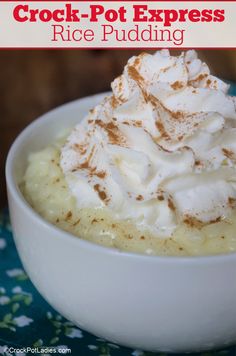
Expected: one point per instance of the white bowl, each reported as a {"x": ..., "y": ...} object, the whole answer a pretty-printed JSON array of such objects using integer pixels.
[{"x": 152, "y": 303}]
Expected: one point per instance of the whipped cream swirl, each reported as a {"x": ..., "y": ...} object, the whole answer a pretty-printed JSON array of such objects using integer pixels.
[{"x": 161, "y": 149}]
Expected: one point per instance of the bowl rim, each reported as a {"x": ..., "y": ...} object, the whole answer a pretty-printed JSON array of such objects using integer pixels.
[{"x": 13, "y": 188}]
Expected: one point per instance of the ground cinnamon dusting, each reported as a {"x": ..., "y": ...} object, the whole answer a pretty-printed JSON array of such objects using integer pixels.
[
  {"x": 138, "y": 59},
  {"x": 138, "y": 123},
  {"x": 114, "y": 102},
  {"x": 171, "y": 204},
  {"x": 231, "y": 202},
  {"x": 177, "y": 85},
  {"x": 199, "y": 78},
  {"x": 177, "y": 115},
  {"x": 68, "y": 215},
  {"x": 100, "y": 174},
  {"x": 229, "y": 154},
  {"x": 113, "y": 132},
  {"x": 86, "y": 164},
  {"x": 161, "y": 129},
  {"x": 215, "y": 220},
  {"x": 82, "y": 149},
  {"x": 102, "y": 195},
  {"x": 135, "y": 75},
  {"x": 194, "y": 222},
  {"x": 76, "y": 222},
  {"x": 139, "y": 197}
]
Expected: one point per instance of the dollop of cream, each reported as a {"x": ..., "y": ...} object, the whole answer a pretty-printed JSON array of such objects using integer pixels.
[{"x": 161, "y": 149}]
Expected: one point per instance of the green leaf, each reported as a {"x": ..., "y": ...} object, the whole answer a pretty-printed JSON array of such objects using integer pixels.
[
  {"x": 17, "y": 297},
  {"x": 57, "y": 324},
  {"x": 3, "y": 325},
  {"x": 104, "y": 351},
  {"x": 7, "y": 318},
  {"x": 58, "y": 317},
  {"x": 68, "y": 331},
  {"x": 38, "y": 343},
  {"x": 49, "y": 315},
  {"x": 15, "y": 307},
  {"x": 28, "y": 299},
  {"x": 54, "y": 340},
  {"x": 58, "y": 331},
  {"x": 22, "y": 277}
]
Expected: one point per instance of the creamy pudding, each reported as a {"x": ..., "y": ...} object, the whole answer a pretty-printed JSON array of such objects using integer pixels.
[{"x": 152, "y": 168}]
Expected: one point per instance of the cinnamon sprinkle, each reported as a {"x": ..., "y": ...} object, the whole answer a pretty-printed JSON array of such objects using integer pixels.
[
  {"x": 199, "y": 78},
  {"x": 101, "y": 193},
  {"x": 161, "y": 129},
  {"x": 194, "y": 222},
  {"x": 177, "y": 85},
  {"x": 231, "y": 202},
  {"x": 228, "y": 153},
  {"x": 76, "y": 222},
  {"x": 171, "y": 204},
  {"x": 177, "y": 115},
  {"x": 100, "y": 174},
  {"x": 138, "y": 59},
  {"x": 68, "y": 215},
  {"x": 81, "y": 148},
  {"x": 114, "y": 101},
  {"x": 114, "y": 135},
  {"x": 135, "y": 75},
  {"x": 86, "y": 164}
]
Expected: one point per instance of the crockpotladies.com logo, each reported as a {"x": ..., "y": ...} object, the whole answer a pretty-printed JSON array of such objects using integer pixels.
[{"x": 36, "y": 350}]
